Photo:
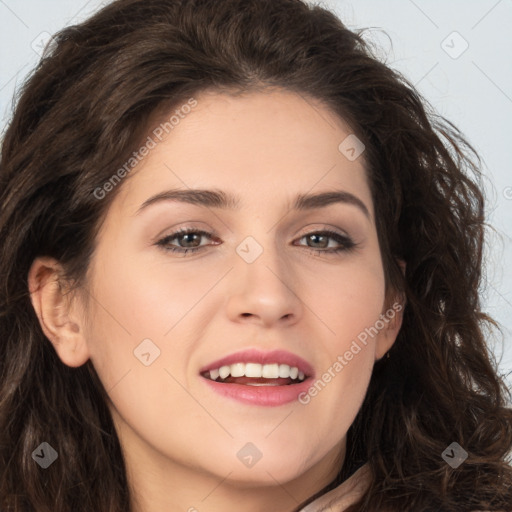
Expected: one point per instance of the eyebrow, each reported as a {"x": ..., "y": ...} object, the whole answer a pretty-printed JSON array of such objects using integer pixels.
[{"x": 219, "y": 199}]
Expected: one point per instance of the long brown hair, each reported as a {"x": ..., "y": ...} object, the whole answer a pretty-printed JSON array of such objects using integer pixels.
[{"x": 82, "y": 114}]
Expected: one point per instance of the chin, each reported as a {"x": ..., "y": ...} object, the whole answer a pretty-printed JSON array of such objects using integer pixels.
[{"x": 265, "y": 473}]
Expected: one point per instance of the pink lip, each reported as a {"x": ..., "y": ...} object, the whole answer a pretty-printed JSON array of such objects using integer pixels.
[
  {"x": 257, "y": 356},
  {"x": 261, "y": 395}
]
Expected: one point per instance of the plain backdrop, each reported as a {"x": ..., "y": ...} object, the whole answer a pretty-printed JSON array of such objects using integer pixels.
[{"x": 458, "y": 54}]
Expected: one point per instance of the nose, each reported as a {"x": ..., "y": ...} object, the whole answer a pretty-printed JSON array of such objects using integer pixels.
[{"x": 264, "y": 292}]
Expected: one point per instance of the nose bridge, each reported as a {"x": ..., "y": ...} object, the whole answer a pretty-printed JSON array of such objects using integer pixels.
[
  {"x": 263, "y": 286},
  {"x": 262, "y": 261}
]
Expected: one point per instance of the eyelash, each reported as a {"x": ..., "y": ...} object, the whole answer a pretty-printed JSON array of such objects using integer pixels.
[{"x": 347, "y": 243}]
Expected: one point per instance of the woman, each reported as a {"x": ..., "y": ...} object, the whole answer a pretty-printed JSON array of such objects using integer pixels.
[{"x": 240, "y": 270}]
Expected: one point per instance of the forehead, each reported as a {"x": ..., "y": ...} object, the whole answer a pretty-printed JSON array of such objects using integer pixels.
[{"x": 275, "y": 145}]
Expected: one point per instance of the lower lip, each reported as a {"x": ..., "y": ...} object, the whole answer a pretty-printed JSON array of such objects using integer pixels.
[{"x": 260, "y": 395}]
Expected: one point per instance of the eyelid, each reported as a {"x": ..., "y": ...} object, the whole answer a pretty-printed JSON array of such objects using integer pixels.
[{"x": 323, "y": 228}]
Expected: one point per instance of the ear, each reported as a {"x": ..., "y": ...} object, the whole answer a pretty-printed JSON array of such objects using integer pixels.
[
  {"x": 391, "y": 318},
  {"x": 57, "y": 312}
]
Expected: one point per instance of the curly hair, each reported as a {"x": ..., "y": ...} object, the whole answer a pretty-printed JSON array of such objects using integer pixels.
[{"x": 84, "y": 110}]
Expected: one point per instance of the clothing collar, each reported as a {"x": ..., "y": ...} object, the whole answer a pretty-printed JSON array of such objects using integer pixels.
[{"x": 344, "y": 495}]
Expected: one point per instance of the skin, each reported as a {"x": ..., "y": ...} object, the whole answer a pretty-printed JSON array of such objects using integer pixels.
[{"x": 180, "y": 438}]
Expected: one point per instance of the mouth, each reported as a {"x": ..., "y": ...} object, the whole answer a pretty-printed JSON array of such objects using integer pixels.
[
  {"x": 256, "y": 374},
  {"x": 257, "y": 378}
]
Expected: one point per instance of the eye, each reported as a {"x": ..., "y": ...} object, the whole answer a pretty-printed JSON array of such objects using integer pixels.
[
  {"x": 191, "y": 238},
  {"x": 189, "y": 241},
  {"x": 321, "y": 238}
]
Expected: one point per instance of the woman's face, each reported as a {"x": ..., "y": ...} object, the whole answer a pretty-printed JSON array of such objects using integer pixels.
[{"x": 264, "y": 279}]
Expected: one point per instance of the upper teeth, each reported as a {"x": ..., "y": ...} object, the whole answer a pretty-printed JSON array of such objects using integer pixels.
[{"x": 267, "y": 371}]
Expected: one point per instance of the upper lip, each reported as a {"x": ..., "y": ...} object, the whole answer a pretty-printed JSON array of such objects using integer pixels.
[{"x": 262, "y": 357}]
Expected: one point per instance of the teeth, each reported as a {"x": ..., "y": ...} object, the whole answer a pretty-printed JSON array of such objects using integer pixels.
[
  {"x": 224, "y": 371},
  {"x": 284, "y": 371},
  {"x": 238, "y": 370},
  {"x": 260, "y": 384},
  {"x": 270, "y": 371},
  {"x": 256, "y": 370},
  {"x": 253, "y": 370}
]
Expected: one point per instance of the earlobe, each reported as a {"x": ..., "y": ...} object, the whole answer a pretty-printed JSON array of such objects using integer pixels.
[
  {"x": 392, "y": 322},
  {"x": 56, "y": 312},
  {"x": 392, "y": 319}
]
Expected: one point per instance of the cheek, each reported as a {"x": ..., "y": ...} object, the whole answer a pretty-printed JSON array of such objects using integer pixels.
[
  {"x": 134, "y": 302},
  {"x": 349, "y": 301},
  {"x": 146, "y": 300},
  {"x": 349, "y": 298},
  {"x": 132, "y": 311}
]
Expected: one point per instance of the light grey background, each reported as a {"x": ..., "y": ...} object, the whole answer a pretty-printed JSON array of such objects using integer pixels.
[{"x": 458, "y": 54}]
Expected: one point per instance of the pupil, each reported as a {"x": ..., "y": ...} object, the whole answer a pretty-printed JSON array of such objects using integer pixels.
[
  {"x": 317, "y": 237},
  {"x": 188, "y": 235}
]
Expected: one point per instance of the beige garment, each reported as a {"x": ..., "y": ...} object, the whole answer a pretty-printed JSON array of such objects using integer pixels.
[{"x": 346, "y": 494}]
